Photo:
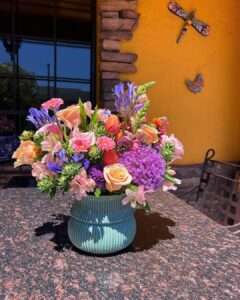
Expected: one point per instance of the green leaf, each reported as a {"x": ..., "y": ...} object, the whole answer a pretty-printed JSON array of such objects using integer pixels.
[
  {"x": 97, "y": 192},
  {"x": 83, "y": 114},
  {"x": 170, "y": 178},
  {"x": 94, "y": 118},
  {"x": 133, "y": 187}
]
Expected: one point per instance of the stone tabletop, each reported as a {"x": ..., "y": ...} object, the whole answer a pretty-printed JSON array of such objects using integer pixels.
[{"x": 178, "y": 253}]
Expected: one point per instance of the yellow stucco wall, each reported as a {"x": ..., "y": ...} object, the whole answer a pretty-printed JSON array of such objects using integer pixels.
[{"x": 208, "y": 119}]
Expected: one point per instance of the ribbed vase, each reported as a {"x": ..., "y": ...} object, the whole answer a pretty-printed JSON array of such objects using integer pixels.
[{"x": 101, "y": 225}]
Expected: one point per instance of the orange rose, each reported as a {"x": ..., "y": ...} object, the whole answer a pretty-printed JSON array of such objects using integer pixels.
[
  {"x": 148, "y": 134},
  {"x": 70, "y": 116},
  {"x": 113, "y": 125},
  {"x": 26, "y": 153},
  {"x": 116, "y": 177}
]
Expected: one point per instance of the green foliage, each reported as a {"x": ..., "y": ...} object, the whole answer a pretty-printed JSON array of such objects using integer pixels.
[
  {"x": 70, "y": 170},
  {"x": 48, "y": 185},
  {"x": 145, "y": 207},
  {"x": 132, "y": 187},
  {"x": 94, "y": 153},
  {"x": 83, "y": 115},
  {"x": 94, "y": 119},
  {"x": 100, "y": 130},
  {"x": 141, "y": 115},
  {"x": 168, "y": 151},
  {"x": 142, "y": 89},
  {"x": 97, "y": 192},
  {"x": 28, "y": 88},
  {"x": 26, "y": 135},
  {"x": 38, "y": 138},
  {"x": 170, "y": 178}
]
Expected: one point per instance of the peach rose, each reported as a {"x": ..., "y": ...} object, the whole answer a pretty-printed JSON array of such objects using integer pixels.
[
  {"x": 113, "y": 124},
  {"x": 70, "y": 116},
  {"x": 25, "y": 154},
  {"x": 116, "y": 177},
  {"x": 147, "y": 134}
]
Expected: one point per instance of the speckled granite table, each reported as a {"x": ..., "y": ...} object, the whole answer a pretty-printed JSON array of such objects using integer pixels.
[{"x": 178, "y": 253}]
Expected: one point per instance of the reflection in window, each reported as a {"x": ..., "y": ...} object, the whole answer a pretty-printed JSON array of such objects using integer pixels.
[
  {"x": 37, "y": 58},
  {"x": 45, "y": 52},
  {"x": 71, "y": 92},
  {"x": 73, "y": 62}
]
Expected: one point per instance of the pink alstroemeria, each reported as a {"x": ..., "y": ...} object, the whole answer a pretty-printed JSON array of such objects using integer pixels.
[
  {"x": 169, "y": 185},
  {"x": 88, "y": 108},
  {"x": 50, "y": 128},
  {"x": 50, "y": 144},
  {"x": 47, "y": 158},
  {"x": 39, "y": 170},
  {"x": 52, "y": 104},
  {"x": 81, "y": 185},
  {"x": 103, "y": 114},
  {"x": 135, "y": 197},
  {"x": 82, "y": 141}
]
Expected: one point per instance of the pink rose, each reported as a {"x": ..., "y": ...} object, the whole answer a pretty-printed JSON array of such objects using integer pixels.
[
  {"x": 53, "y": 103},
  {"x": 82, "y": 141}
]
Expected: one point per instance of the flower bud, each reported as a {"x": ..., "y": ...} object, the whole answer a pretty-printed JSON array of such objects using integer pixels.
[
  {"x": 113, "y": 125},
  {"x": 110, "y": 157}
]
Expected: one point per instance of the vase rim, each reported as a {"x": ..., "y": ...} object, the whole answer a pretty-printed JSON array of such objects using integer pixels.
[{"x": 103, "y": 197}]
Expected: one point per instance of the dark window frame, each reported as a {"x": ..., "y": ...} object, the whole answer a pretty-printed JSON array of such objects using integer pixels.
[{"x": 17, "y": 111}]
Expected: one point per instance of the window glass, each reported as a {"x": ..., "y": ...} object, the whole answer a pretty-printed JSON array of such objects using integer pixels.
[
  {"x": 73, "y": 62},
  {"x": 36, "y": 58},
  {"x": 33, "y": 92},
  {"x": 70, "y": 92}
]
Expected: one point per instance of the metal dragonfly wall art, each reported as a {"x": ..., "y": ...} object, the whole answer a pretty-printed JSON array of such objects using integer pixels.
[{"x": 190, "y": 20}]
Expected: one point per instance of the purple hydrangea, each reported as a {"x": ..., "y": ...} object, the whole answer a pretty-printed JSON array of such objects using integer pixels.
[
  {"x": 96, "y": 173},
  {"x": 146, "y": 166}
]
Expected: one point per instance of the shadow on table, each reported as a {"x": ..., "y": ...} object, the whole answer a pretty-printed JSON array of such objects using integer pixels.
[{"x": 151, "y": 228}]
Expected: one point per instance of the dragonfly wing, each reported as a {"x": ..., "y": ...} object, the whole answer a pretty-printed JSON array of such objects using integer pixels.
[
  {"x": 201, "y": 27},
  {"x": 176, "y": 9}
]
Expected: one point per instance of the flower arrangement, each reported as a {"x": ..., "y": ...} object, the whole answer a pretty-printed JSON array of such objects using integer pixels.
[{"x": 92, "y": 151}]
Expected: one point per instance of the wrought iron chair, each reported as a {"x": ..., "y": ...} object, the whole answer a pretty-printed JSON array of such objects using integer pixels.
[{"x": 218, "y": 194}]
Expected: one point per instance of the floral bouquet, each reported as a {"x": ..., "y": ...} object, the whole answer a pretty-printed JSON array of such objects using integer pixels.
[{"x": 92, "y": 151}]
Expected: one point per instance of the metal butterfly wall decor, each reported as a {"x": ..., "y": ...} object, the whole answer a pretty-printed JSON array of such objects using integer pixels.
[
  {"x": 197, "y": 85},
  {"x": 201, "y": 27}
]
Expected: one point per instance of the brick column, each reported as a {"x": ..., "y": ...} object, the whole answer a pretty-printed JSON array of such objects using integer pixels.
[{"x": 118, "y": 20}]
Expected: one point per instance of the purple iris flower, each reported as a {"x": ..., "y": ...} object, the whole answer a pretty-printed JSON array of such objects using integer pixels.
[
  {"x": 62, "y": 155},
  {"x": 126, "y": 103},
  {"x": 85, "y": 163},
  {"x": 40, "y": 117},
  {"x": 78, "y": 158},
  {"x": 54, "y": 167}
]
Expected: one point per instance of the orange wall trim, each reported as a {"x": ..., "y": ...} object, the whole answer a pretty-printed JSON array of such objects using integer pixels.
[{"x": 212, "y": 117}]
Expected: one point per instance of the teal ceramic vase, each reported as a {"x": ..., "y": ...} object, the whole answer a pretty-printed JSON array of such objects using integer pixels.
[{"x": 101, "y": 225}]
